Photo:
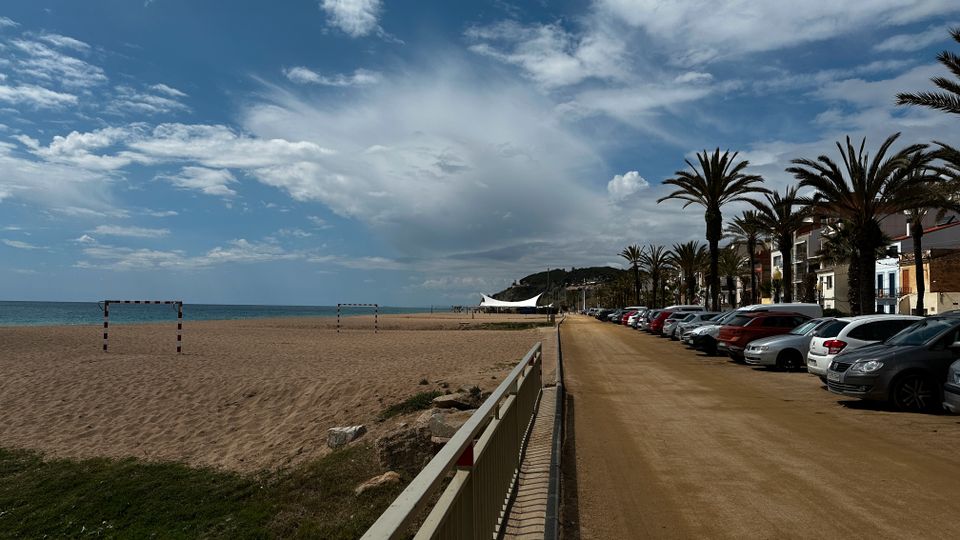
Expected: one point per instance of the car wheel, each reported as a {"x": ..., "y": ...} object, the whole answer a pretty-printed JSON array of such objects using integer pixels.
[
  {"x": 710, "y": 346},
  {"x": 915, "y": 392},
  {"x": 789, "y": 359}
]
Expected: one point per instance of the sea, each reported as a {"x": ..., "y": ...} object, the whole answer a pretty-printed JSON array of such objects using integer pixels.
[{"x": 14, "y": 313}]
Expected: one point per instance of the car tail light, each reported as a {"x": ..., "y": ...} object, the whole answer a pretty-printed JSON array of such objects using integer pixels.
[{"x": 834, "y": 346}]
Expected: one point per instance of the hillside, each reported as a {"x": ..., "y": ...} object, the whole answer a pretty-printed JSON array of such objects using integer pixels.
[{"x": 557, "y": 280}]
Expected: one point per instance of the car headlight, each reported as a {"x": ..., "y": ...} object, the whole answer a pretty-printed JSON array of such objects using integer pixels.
[
  {"x": 761, "y": 348},
  {"x": 868, "y": 366}
]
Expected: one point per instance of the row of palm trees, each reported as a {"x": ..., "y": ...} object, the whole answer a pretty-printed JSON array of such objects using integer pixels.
[{"x": 853, "y": 196}]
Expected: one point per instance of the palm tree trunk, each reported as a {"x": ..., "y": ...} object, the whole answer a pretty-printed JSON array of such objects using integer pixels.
[
  {"x": 853, "y": 282},
  {"x": 656, "y": 287},
  {"x": 691, "y": 288},
  {"x": 870, "y": 241},
  {"x": 636, "y": 283},
  {"x": 751, "y": 255},
  {"x": 918, "y": 265},
  {"x": 786, "y": 253},
  {"x": 714, "y": 231}
]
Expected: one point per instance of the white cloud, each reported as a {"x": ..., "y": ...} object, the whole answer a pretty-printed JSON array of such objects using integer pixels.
[
  {"x": 6, "y": 22},
  {"x": 130, "y": 232},
  {"x": 35, "y": 96},
  {"x": 295, "y": 233},
  {"x": 168, "y": 90},
  {"x": 162, "y": 213},
  {"x": 355, "y": 17},
  {"x": 19, "y": 245},
  {"x": 42, "y": 62},
  {"x": 236, "y": 251},
  {"x": 694, "y": 77},
  {"x": 75, "y": 149},
  {"x": 52, "y": 185},
  {"x": 130, "y": 100},
  {"x": 550, "y": 55},
  {"x": 360, "y": 77},
  {"x": 209, "y": 181},
  {"x": 622, "y": 186},
  {"x": 85, "y": 239},
  {"x": 64, "y": 42},
  {"x": 914, "y": 42},
  {"x": 319, "y": 222}
]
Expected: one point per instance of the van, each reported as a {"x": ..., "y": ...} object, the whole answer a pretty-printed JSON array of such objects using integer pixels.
[
  {"x": 810, "y": 310},
  {"x": 683, "y": 308}
]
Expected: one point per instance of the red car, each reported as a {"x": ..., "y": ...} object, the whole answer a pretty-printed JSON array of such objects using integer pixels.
[
  {"x": 656, "y": 325},
  {"x": 626, "y": 317},
  {"x": 748, "y": 326}
]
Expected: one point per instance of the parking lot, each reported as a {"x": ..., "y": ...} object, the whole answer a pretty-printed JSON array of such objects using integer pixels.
[{"x": 667, "y": 442}]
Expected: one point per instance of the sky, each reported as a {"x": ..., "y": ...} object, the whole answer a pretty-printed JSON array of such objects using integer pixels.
[{"x": 313, "y": 152}]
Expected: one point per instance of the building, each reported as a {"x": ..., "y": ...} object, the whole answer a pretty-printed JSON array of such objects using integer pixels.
[{"x": 941, "y": 270}]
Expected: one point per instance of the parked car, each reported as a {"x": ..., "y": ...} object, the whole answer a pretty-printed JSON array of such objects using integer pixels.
[
  {"x": 603, "y": 314},
  {"x": 647, "y": 318},
  {"x": 803, "y": 308},
  {"x": 786, "y": 351},
  {"x": 670, "y": 325},
  {"x": 748, "y": 326},
  {"x": 951, "y": 390},
  {"x": 705, "y": 337},
  {"x": 674, "y": 330},
  {"x": 856, "y": 333},
  {"x": 639, "y": 318},
  {"x": 908, "y": 370},
  {"x": 625, "y": 318},
  {"x": 700, "y": 319},
  {"x": 684, "y": 307},
  {"x": 656, "y": 325}
]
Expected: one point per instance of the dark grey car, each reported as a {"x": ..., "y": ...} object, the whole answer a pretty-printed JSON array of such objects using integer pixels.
[{"x": 908, "y": 370}]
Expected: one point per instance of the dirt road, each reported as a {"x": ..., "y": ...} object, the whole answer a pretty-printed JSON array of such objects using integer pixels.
[{"x": 669, "y": 443}]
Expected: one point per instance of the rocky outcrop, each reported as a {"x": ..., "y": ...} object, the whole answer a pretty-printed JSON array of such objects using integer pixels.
[
  {"x": 340, "y": 436},
  {"x": 407, "y": 449},
  {"x": 385, "y": 479},
  {"x": 445, "y": 424}
]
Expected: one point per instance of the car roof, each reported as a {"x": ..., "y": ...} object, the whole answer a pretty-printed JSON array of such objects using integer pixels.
[
  {"x": 771, "y": 314},
  {"x": 863, "y": 319}
]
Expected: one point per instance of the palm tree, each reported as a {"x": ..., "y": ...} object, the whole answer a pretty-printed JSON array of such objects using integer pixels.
[
  {"x": 689, "y": 258},
  {"x": 719, "y": 180},
  {"x": 632, "y": 254},
  {"x": 656, "y": 262},
  {"x": 781, "y": 217},
  {"x": 949, "y": 100},
  {"x": 863, "y": 194},
  {"x": 731, "y": 266},
  {"x": 746, "y": 231},
  {"x": 840, "y": 247}
]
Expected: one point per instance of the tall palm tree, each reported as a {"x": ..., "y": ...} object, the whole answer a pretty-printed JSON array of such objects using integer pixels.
[
  {"x": 863, "y": 194},
  {"x": 689, "y": 258},
  {"x": 781, "y": 217},
  {"x": 656, "y": 262},
  {"x": 731, "y": 266},
  {"x": 949, "y": 99},
  {"x": 719, "y": 180},
  {"x": 746, "y": 231},
  {"x": 633, "y": 254},
  {"x": 838, "y": 248}
]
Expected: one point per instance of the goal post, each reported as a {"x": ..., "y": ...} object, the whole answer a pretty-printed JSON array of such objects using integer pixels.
[
  {"x": 177, "y": 303},
  {"x": 376, "y": 314}
]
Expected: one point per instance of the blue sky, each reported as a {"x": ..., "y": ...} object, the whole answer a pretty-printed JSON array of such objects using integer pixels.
[{"x": 409, "y": 153}]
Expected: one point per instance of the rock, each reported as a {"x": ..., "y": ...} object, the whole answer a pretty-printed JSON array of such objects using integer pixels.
[
  {"x": 445, "y": 424},
  {"x": 454, "y": 401},
  {"x": 439, "y": 441},
  {"x": 406, "y": 449},
  {"x": 425, "y": 416},
  {"x": 385, "y": 479},
  {"x": 339, "y": 436}
]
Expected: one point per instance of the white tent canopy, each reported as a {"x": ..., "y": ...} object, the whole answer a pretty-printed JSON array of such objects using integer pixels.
[{"x": 493, "y": 302}]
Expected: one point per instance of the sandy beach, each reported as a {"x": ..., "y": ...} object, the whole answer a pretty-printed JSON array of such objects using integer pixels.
[{"x": 245, "y": 395}]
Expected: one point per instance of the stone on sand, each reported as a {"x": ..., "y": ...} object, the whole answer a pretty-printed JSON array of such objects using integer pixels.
[
  {"x": 340, "y": 436},
  {"x": 385, "y": 479}
]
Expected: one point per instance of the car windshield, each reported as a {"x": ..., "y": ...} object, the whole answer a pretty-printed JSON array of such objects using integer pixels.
[
  {"x": 689, "y": 318},
  {"x": 805, "y": 327},
  {"x": 739, "y": 320},
  {"x": 830, "y": 329},
  {"x": 921, "y": 332}
]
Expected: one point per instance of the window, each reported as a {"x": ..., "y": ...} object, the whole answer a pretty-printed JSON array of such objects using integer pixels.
[
  {"x": 880, "y": 282},
  {"x": 866, "y": 332},
  {"x": 778, "y": 261},
  {"x": 831, "y": 329},
  {"x": 891, "y": 283},
  {"x": 771, "y": 321},
  {"x": 740, "y": 320},
  {"x": 829, "y": 282}
]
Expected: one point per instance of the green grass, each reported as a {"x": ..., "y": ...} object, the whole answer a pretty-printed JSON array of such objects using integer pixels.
[
  {"x": 418, "y": 402},
  {"x": 132, "y": 499}
]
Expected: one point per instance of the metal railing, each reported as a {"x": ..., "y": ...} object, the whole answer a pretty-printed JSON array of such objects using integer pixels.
[
  {"x": 485, "y": 454},
  {"x": 551, "y": 529}
]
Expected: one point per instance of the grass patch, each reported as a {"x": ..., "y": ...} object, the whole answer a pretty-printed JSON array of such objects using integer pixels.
[
  {"x": 418, "y": 402},
  {"x": 510, "y": 325},
  {"x": 133, "y": 499}
]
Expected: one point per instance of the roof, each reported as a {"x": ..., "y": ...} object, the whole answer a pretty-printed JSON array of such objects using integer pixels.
[
  {"x": 935, "y": 228},
  {"x": 493, "y": 302}
]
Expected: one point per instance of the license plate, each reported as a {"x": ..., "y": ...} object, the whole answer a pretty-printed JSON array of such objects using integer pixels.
[{"x": 833, "y": 376}]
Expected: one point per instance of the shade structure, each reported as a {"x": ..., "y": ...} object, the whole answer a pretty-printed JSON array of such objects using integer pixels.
[{"x": 493, "y": 302}]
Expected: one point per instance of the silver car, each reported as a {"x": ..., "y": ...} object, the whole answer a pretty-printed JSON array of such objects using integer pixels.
[
  {"x": 951, "y": 390},
  {"x": 692, "y": 320},
  {"x": 786, "y": 351}
]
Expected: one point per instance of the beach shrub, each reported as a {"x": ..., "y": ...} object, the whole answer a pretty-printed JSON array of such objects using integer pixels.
[{"x": 417, "y": 402}]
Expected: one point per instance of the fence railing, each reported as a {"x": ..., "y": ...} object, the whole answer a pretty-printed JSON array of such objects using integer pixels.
[
  {"x": 484, "y": 455},
  {"x": 551, "y": 530}
]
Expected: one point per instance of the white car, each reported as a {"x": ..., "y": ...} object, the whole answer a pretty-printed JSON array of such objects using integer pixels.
[{"x": 849, "y": 333}]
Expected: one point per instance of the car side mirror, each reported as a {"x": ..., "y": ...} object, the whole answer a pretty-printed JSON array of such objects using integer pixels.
[{"x": 955, "y": 346}]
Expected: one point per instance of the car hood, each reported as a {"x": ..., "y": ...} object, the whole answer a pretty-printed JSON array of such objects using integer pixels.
[{"x": 775, "y": 340}]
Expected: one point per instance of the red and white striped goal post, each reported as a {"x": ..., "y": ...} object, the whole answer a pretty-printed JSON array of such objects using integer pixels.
[
  {"x": 376, "y": 314},
  {"x": 178, "y": 303}
]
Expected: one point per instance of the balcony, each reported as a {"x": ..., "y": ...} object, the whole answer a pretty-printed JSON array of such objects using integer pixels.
[{"x": 892, "y": 293}]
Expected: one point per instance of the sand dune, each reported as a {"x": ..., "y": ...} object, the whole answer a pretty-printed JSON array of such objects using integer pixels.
[{"x": 245, "y": 395}]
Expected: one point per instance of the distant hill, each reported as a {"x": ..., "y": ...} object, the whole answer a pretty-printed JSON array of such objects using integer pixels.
[{"x": 559, "y": 278}]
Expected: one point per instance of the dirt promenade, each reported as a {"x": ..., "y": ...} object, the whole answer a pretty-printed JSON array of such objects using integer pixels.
[{"x": 669, "y": 443}]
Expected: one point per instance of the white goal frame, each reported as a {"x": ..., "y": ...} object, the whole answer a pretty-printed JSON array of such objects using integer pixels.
[{"x": 376, "y": 314}]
